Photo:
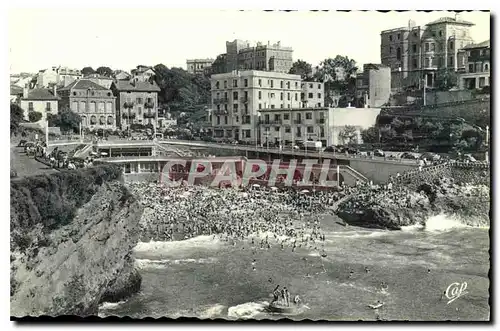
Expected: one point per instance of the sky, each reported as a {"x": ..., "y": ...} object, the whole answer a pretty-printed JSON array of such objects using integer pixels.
[{"x": 124, "y": 38}]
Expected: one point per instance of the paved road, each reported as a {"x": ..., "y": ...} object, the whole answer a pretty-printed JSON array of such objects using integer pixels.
[{"x": 26, "y": 166}]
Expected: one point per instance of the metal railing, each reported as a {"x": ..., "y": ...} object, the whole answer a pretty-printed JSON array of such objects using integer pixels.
[{"x": 220, "y": 100}]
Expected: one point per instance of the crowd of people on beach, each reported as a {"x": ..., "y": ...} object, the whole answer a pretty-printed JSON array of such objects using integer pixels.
[{"x": 288, "y": 218}]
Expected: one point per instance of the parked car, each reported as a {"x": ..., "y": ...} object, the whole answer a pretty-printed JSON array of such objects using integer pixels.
[
  {"x": 409, "y": 156},
  {"x": 330, "y": 149},
  {"x": 468, "y": 157},
  {"x": 379, "y": 153}
]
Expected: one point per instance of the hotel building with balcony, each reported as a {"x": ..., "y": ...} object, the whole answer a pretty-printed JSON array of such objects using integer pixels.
[
  {"x": 474, "y": 71},
  {"x": 240, "y": 98},
  {"x": 136, "y": 102}
]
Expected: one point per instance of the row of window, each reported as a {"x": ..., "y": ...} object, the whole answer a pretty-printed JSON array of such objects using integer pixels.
[
  {"x": 139, "y": 101},
  {"x": 277, "y": 117},
  {"x": 428, "y": 47},
  {"x": 270, "y": 82},
  {"x": 92, "y": 93},
  {"x": 433, "y": 33},
  {"x": 270, "y": 95},
  {"x": 282, "y": 106},
  {"x": 93, "y": 120},
  {"x": 478, "y": 67},
  {"x": 82, "y": 106},
  {"x": 48, "y": 106},
  {"x": 298, "y": 131}
]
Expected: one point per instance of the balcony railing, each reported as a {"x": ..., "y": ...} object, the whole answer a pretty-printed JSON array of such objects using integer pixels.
[
  {"x": 221, "y": 112},
  {"x": 277, "y": 122},
  {"x": 128, "y": 104},
  {"x": 126, "y": 115},
  {"x": 149, "y": 114},
  {"x": 220, "y": 100},
  {"x": 244, "y": 99},
  {"x": 149, "y": 105},
  {"x": 320, "y": 121},
  {"x": 298, "y": 121}
]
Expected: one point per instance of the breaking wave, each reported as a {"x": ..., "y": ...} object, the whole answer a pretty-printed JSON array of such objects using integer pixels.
[
  {"x": 247, "y": 310},
  {"x": 160, "y": 264},
  {"x": 170, "y": 248}
]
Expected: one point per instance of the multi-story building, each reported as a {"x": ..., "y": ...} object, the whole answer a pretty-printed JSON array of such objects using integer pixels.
[
  {"x": 94, "y": 103},
  {"x": 289, "y": 126},
  {"x": 142, "y": 73},
  {"x": 16, "y": 93},
  {"x": 474, "y": 69},
  {"x": 415, "y": 53},
  {"x": 325, "y": 124},
  {"x": 47, "y": 77},
  {"x": 198, "y": 66},
  {"x": 121, "y": 75},
  {"x": 100, "y": 80},
  {"x": 41, "y": 100},
  {"x": 312, "y": 95},
  {"x": 373, "y": 85},
  {"x": 241, "y": 55},
  {"x": 239, "y": 96},
  {"x": 137, "y": 102},
  {"x": 66, "y": 76},
  {"x": 60, "y": 76}
]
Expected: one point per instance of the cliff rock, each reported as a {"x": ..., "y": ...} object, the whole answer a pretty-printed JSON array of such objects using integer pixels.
[{"x": 72, "y": 234}]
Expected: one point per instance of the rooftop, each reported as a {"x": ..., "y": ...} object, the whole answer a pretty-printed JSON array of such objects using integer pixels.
[
  {"x": 255, "y": 73},
  {"x": 97, "y": 76},
  {"x": 14, "y": 90},
  {"x": 125, "y": 85},
  {"x": 84, "y": 84},
  {"x": 484, "y": 44},
  {"x": 450, "y": 20},
  {"x": 200, "y": 60},
  {"x": 41, "y": 94}
]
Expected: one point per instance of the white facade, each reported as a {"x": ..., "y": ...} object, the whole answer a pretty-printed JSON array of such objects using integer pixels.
[
  {"x": 47, "y": 77},
  {"x": 42, "y": 106},
  {"x": 289, "y": 126},
  {"x": 239, "y": 96}
]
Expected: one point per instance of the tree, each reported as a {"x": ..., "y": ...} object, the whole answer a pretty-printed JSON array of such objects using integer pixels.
[
  {"x": 398, "y": 125},
  {"x": 16, "y": 116},
  {"x": 105, "y": 71},
  {"x": 370, "y": 135},
  {"x": 407, "y": 135},
  {"x": 387, "y": 133},
  {"x": 339, "y": 68},
  {"x": 348, "y": 134},
  {"x": 34, "y": 116},
  {"x": 446, "y": 79},
  {"x": 182, "y": 91},
  {"x": 66, "y": 120},
  {"x": 339, "y": 75},
  {"x": 301, "y": 68},
  {"x": 87, "y": 71}
]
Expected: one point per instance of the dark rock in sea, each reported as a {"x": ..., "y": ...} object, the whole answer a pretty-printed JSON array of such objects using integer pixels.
[
  {"x": 127, "y": 283},
  {"x": 393, "y": 209},
  {"x": 72, "y": 234}
]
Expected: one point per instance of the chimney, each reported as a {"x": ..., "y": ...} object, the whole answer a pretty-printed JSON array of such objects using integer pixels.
[
  {"x": 25, "y": 91},
  {"x": 55, "y": 90}
]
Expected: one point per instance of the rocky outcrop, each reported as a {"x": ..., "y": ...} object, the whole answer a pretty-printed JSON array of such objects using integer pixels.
[
  {"x": 72, "y": 234},
  {"x": 402, "y": 206}
]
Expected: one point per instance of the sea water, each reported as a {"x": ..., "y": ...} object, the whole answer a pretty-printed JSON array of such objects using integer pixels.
[{"x": 408, "y": 270}]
